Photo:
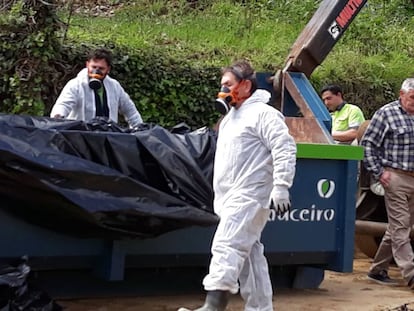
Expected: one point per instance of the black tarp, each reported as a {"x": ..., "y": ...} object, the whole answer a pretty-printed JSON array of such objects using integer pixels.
[
  {"x": 97, "y": 179},
  {"x": 18, "y": 293}
]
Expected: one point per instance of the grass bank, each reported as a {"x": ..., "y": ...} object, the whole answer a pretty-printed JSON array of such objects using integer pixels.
[{"x": 373, "y": 56}]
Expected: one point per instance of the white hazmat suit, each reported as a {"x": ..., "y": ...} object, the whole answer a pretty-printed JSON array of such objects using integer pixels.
[
  {"x": 255, "y": 156},
  {"x": 77, "y": 101}
]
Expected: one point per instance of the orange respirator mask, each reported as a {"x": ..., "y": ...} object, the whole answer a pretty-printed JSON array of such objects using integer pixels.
[
  {"x": 95, "y": 79},
  {"x": 226, "y": 99}
]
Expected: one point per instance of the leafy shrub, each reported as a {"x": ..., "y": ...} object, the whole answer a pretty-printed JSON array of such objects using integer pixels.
[
  {"x": 168, "y": 57},
  {"x": 28, "y": 48}
]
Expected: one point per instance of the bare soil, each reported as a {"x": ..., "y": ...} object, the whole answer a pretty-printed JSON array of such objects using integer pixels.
[{"x": 338, "y": 292}]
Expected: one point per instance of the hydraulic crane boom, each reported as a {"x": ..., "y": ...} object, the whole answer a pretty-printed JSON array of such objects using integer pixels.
[
  {"x": 317, "y": 39},
  {"x": 292, "y": 92},
  {"x": 321, "y": 33}
]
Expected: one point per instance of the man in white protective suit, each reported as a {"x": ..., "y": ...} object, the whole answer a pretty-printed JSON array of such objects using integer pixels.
[
  {"x": 254, "y": 168},
  {"x": 93, "y": 93}
]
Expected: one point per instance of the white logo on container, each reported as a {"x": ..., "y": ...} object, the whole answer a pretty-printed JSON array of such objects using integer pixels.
[{"x": 325, "y": 188}]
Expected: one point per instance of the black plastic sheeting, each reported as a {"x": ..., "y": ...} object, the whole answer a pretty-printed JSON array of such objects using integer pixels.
[
  {"x": 97, "y": 179},
  {"x": 18, "y": 293}
]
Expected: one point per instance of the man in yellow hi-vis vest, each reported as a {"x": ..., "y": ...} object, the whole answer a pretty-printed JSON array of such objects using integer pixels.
[{"x": 346, "y": 118}]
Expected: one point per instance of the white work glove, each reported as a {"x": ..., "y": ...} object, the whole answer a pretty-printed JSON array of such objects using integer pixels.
[{"x": 279, "y": 201}]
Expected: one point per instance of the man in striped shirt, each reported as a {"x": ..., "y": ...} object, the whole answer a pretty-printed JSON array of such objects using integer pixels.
[{"x": 389, "y": 156}]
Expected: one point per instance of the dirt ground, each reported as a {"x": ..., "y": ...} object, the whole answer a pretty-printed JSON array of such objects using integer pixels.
[{"x": 338, "y": 292}]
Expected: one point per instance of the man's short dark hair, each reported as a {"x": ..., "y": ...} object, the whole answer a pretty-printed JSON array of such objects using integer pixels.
[
  {"x": 243, "y": 70},
  {"x": 333, "y": 88},
  {"x": 101, "y": 53}
]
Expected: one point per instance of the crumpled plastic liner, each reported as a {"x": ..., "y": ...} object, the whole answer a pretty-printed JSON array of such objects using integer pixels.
[
  {"x": 97, "y": 179},
  {"x": 17, "y": 293}
]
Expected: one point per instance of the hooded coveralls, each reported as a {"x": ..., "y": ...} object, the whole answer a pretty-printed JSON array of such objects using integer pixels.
[
  {"x": 255, "y": 153},
  {"x": 77, "y": 101}
]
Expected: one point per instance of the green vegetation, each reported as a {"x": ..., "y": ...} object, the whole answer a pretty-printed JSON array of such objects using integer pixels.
[
  {"x": 370, "y": 60},
  {"x": 216, "y": 32},
  {"x": 168, "y": 53},
  {"x": 28, "y": 42},
  {"x": 210, "y": 34}
]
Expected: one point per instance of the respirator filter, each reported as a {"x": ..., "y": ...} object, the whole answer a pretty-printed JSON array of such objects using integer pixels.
[
  {"x": 95, "y": 79},
  {"x": 224, "y": 100}
]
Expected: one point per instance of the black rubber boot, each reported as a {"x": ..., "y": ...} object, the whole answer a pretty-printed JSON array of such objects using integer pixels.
[{"x": 216, "y": 300}]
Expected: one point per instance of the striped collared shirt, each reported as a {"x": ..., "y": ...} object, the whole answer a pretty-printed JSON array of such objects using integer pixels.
[{"x": 389, "y": 140}]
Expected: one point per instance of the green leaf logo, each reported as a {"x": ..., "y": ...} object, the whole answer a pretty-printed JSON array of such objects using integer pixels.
[{"x": 326, "y": 188}]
